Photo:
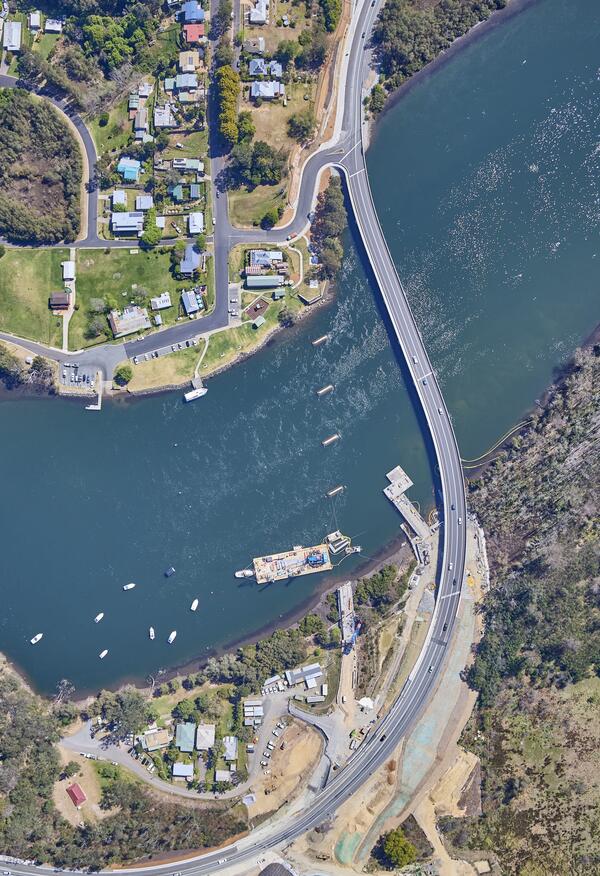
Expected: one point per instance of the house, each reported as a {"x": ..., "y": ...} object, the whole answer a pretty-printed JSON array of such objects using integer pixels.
[
  {"x": 160, "y": 301},
  {"x": 194, "y": 192},
  {"x": 119, "y": 198},
  {"x": 205, "y": 736},
  {"x": 189, "y": 61},
  {"x": 154, "y": 740},
  {"x": 264, "y": 281},
  {"x": 129, "y": 168},
  {"x": 186, "y": 82},
  {"x": 59, "y": 301},
  {"x": 144, "y": 202},
  {"x": 68, "y": 270},
  {"x": 170, "y": 83},
  {"x": 260, "y": 320},
  {"x": 278, "y": 294},
  {"x": 145, "y": 90},
  {"x": 188, "y": 164},
  {"x": 134, "y": 102},
  {"x": 163, "y": 116},
  {"x": 257, "y": 67},
  {"x": 260, "y": 13},
  {"x": 183, "y": 771},
  {"x": 12, "y": 36},
  {"x": 34, "y": 20},
  {"x": 305, "y": 674},
  {"x": 192, "y": 12},
  {"x": 223, "y": 776},
  {"x": 254, "y": 46},
  {"x": 316, "y": 698},
  {"x": 176, "y": 192},
  {"x": 190, "y": 261},
  {"x": 140, "y": 123},
  {"x": 275, "y": 69},
  {"x": 185, "y": 735},
  {"x": 267, "y": 90},
  {"x": 194, "y": 33},
  {"x": 265, "y": 258},
  {"x": 192, "y": 301},
  {"x": 53, "y": 25},
  {"x": 131, "y": 319},
  {"x": 76, "y": 794},
  {"x": 129, "y": 222},
  {"x": 196, "y": 223}
]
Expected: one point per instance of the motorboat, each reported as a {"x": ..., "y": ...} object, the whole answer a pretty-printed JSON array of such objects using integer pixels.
[
  {"x": 244, "y": 573},
  {"x": 129, "y": 586},
  {"x": 98, "y": 617},
  {"x": 103, "y": 654},
  {"x": 170, "y": 571},
  {"x": 151, "y": 633},
  {"x": 36, "y": 638},
  {"x": 172, "y": 637},
  {"x": 194, "y": 605},
  {"x": 194, "y": 394}
]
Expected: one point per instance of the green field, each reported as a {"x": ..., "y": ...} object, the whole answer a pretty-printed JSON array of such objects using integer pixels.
[
  {"x": 247, "y": 208},
  {"x": 44, "y": 44},
  {"x": 27, "y": 277},
  {"x": 116, "y": 133},
  {"x": 114, "y": 276}
]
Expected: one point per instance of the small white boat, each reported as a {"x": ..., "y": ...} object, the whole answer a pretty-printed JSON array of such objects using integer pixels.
[
  {"x": 98, "y": 617},
  {"x": 103, "y": 654},
  {"x": 194, "y": 605},
  {"x": 129, "y": 586},
  {"x": 151, "y": 633},
  {"x": 244, "y": 573},
  {"x": 172, "y": 637},
  {"x": 193, "y": 394},
  {"x": 36, "y": 638}
]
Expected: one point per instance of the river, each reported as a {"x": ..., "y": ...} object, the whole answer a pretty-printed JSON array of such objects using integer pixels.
[{"x": 486, "y": 177}]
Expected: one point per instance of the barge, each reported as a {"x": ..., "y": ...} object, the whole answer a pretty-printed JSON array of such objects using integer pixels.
[{"x": 291, "y": 564}]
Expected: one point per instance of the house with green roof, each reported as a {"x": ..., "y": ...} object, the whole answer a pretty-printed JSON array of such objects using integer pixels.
[{"x": 185, "y": 736}]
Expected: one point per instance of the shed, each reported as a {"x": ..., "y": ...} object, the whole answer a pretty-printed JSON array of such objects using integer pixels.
[
  {"x": 53, "y": 25},
  {"x": 169, "y": 83},
  {"x": 34, "y": 20},
  {"x": 278, "y": 294},
  {"x": 76, "y": 794},
  {"x": 260, "y": 320},
  {"x": 185, "y": 735},
  {"x": 119, "y": 197},
  {"x": 159, "y": 302},
  {"x": 68, "y": 270},
  {"x": 183, "y": 771},
  {"x": 264, "y": 281},
  {"x": 194, "y": 192},
  {"x": 59, "y": 301}
]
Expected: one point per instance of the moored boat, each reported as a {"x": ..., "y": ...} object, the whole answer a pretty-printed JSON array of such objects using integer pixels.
[
  {"x": 36, "y": 638},
  {"x": 244, "y": 573},
  {"x": 151, "y": 633},
  {"x": 172, "y": 637},
  {"x": 103, "y": 654},
  {"x": 194, "y": 605},
  {"x": 98, "y": 617},
  {"x": 170, "y": 571},
  {"x": 193, "y": 394},
  {"x": 129, "y": 586}
]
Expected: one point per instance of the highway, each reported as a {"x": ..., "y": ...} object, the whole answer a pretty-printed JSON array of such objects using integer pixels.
[{"x": 347, "y": 154}]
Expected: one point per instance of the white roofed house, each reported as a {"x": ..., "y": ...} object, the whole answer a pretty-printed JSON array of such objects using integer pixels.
[
  {"x": 129, "y": 222},
  {"x": 163, "y": 116},
  {"x": 205, "y": 736},
  {"x": 119, "y": 198},
  {"x": 144, "y": 202},
  {"x": 231, "y": 747},
  {"x": 11, "y": 40},
  {"x": 267, "y": 90},
  {"x": 160, "y": 302},
  {"x": 196, "y": 223},
  {"x": 34, "y": 20},
  {"x": 68, "y": 270},
  {"x": 183, "y": 771},
  {"x": 53, "y": 25},
  {"x": 259, "y": 14}
]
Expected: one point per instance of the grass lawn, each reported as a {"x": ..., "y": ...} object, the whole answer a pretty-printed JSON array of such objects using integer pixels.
[
  {"x": 44, "y": 44},
  {"x": 175, "y": 369},
  {"x": 195, "y": 145},
  {"x": 116, "y": 133},
  {"x": 272, "y": 33},
  {"x": 247, "y": 208},
  {"x": 113, "y": 275},
  {"x": 27, "y": 277},
  {"x": 270, "y": 119},
  {"x": 237, "y": 259},
  {"x": 165, "y": 47}
]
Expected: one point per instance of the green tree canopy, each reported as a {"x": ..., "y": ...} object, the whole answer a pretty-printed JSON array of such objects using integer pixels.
[{"x": 398, "y": 850}]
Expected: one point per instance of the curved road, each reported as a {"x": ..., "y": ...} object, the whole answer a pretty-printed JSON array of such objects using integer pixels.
[{"x": 347, "y": 155}]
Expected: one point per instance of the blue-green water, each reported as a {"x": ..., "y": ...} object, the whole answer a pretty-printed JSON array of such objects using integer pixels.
[{"x": 486, "y": 176}]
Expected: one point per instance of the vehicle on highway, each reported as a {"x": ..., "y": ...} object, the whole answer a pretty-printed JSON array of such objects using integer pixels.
[
  {"x": 459, "y": 520},
  {"x": 450, "y": 567},
  {"x": 453, "y": 507},
  {"x": 430, "y": 669},
  {"x": 424, "y": 381},
  {"x": 415, "y": 360},
  {"x": 445, "y": 627}
]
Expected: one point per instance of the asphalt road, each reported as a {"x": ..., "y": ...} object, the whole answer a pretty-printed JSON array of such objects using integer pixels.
[{"x": 347, "y": 155}]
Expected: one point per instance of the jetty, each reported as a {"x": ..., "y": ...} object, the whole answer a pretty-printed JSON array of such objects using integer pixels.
[
  {"x": 395, "y": 492},
  {"x": 291, "y": 564}
]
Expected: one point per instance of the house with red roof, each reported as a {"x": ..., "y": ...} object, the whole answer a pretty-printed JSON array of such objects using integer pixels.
[
  {"x": 76, "y": 794},
  {"x": 193, "y": 33}
]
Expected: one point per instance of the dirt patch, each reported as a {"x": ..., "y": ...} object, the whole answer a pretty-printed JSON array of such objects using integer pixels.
[
  {"x": 289, "y": 769},
  {"x": 87, "y": 779}
]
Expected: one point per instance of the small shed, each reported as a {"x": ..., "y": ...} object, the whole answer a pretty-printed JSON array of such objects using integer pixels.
[
  {"x": 260, "y": 320},
  {"x": 76, "y": 794}
]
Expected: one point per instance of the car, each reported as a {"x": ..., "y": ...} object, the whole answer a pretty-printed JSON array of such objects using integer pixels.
[
  {"x": 459, "y": 521},
  {"x": 454, "y": 582},
  {"x": 264, "y": 763},
  {"x": 444, "y": 628},
  {"x": 135, "y": 360},
  {"x": 450, "y": 566},
  {"x": 275, "y": 732},
  {"x": 362, "y": 35},
  {"x": 179, "y": 146},
  {"x": 222, "y": 861},
  {"x": 453, "y": 507},
  {"x": 281, "y": 725},
  {"x": 289, "y": 237},
  {"x": 424, "y": 381},
  {"x": 6, "y": 873},
  {"x": 173, "y": 347},
  {"x": 430, "y": 669},
  {"x": 383, "y": 738},
  {"x": 233, "y": 300},
  {"x": 415, "y": 360},
  {"x": 266, "y": 754},
  {"x": 440, "y": 411},
  {"x": 214, "y": 221},
  {"x": 64, "y": 375}
]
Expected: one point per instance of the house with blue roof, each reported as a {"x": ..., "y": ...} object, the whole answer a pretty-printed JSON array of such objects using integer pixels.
[
  {"x": 192, "y": 12},
  {"x": 176, "y": 192},
  {"x": 257, "y": 67},
  {"x": 129, "y": 168},
  {"x": 190, "y": 261}
]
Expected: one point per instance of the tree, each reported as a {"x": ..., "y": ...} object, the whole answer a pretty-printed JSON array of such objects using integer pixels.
[
  {"x": 286, "y": 318},
  {"x": 162, "y": 141},
  {"x": 397, "y": 849},
  {"x": 152, "y": 233},
  {"x": 103, "y": 119},
  {"x": 70, "y": 769},
  {"x": 224, "y": 53},
  {"x": 201, "y": 243},
  {"x": 246, "y": 129},
  {"x": 286, "y": 52},
  {"x": 95, "y": 327},
  {"x": 2, "y": 250},
  {"x": 123, "y": 374},
  {"x": 270, "y": 218},
  {"x": 335, "y": 637},
  {"x": 301, "y": 125}
]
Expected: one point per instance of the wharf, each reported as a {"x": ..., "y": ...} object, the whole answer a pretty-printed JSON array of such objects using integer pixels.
[
  {"x": 291, "y": 564},
  {"x": 399, "y": 483}
]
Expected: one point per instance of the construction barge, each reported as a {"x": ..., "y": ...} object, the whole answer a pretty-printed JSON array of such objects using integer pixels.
[{"x": 291, "y": 564}]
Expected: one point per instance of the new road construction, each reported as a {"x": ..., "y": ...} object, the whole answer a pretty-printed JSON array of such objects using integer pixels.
[{"x": 347, "y": 154}]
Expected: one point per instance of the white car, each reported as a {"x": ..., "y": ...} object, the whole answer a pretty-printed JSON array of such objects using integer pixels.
[
  {"x": 459, "y": 521},
  {"x": 275, "y": 732},
  {"x": 450, "y": 567}
]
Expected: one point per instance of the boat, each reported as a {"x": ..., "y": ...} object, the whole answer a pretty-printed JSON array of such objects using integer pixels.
[
  {"x": 245, "y": 573},
  {"x": 36, "y": 638},
  {"x": 170, "y": 571},
  {"x": 335, "y": 490},
  {"x": 151, "y": 633},
  {"x": 193, "y": 394},
  {"x": 325, "y": 390},
  {"x": 98, "y": 617},
  {"x": 129, "y": 586},
  {"x": 331, "y": 440},
  {"x": 172, "y": 637},
  {"x": 103, "y": 654},
  {"x": 194, "y": 605},
  {"x": 318, "y": 341}
]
